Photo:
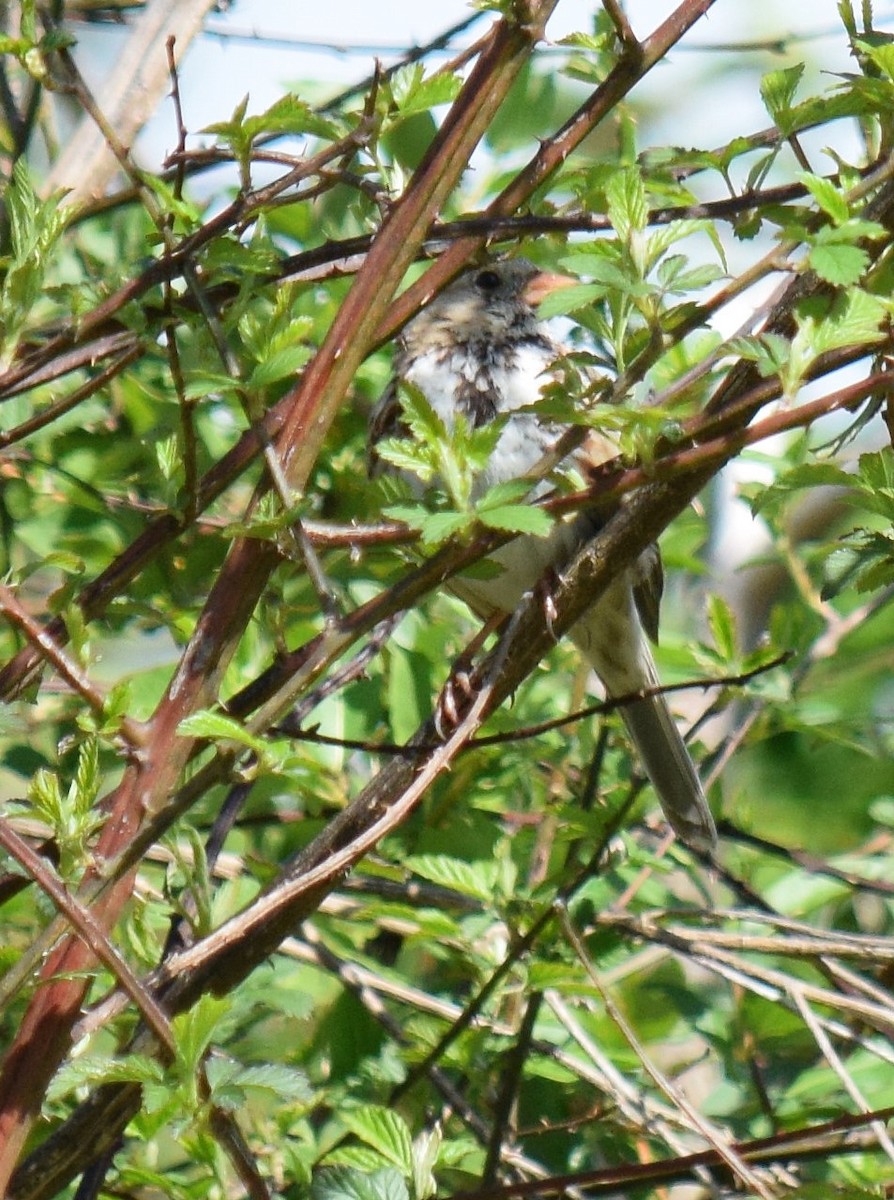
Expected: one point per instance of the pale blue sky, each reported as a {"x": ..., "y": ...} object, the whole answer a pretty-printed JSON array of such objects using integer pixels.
[{"x": 218, "y": 72}]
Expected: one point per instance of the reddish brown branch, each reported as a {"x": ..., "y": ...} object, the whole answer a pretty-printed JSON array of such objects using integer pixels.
[{"x": 42, "y": 1040}]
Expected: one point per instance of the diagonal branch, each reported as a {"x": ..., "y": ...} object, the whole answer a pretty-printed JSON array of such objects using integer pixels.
[{"x": 43, "y": 1036}]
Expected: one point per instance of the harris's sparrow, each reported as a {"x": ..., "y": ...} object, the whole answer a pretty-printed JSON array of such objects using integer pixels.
[{"x": 479, "y": 349}]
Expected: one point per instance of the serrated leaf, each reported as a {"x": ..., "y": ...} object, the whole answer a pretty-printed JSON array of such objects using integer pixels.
[
  {"x": 769, "y": 352},
  {"x": 517, "y": 518},
  {"x": 876, "y": 575},
  {"x": 172, "y": 203},
  {"x": 280, "y": 365},
  {"x": 347, "y": 1183},
  {"x": 85, "y": 786},
  {"x": 675, "y": 231},
  {"x": 778, "y": 90},
  {"x": 167, "y": 455},
  {"x": 873, "y": 486},
  {"x": 383, "y": 1129},
  {"x": 723, "y": 627},
  {"x": 561, "y": 976},
  {"x": 876, "y": 470},
  {"x": 209, "y": 383},
  {"x": 286, "y": 1084},
  {"x": 35, "y": 227},
  {"x": 194, "y": 1030},
  {"x": 569, "y": 299},
  {"x": 413, "y": 515},
  {"x": 827, "y": 196},
  {"x": 46, "y": 795},
  {"x": 807, "y": 475},
  {"x": 197, "y": 872},
  {"x": 287, "y": 115},
  {"x": 413, "y": 93},
  {"x": 91, "y": 1070},
  {"x": 853, "y": 320},
  {"x": 841, "y": 265},
  {"x": 678, "y": 281},
  {"x": 625, "y": 196},
  {"x": 426, "y": 1147},
  {"x": 880, "y": 51},
  {"x": 439, "y": 527},
  {"x": 407, "y": 455},
  {"x": 210, "y": 724},
  {"x": 607, "y": 276},
  {"x": 469, "y": 879},
  {"x": 357, "y": 1157}
]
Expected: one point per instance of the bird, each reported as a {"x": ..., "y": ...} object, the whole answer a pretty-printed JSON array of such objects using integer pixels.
[{"x": 479, "y": 349}]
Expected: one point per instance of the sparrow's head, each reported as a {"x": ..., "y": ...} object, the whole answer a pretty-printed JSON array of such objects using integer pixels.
[{"x": 494, "y": 303}]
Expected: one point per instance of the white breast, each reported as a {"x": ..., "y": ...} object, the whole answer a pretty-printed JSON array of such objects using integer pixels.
[{"x": 524, "y": 439}]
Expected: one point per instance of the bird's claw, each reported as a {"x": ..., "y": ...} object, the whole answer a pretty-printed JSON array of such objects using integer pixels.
[
  {"x": 456, "y": 695},
  {"x": 544, "y": 591}
]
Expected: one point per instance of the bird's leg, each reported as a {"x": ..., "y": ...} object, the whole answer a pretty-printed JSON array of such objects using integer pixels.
[
  {"x": 461, "y": 686},
  {"x": 544, "y": 593}
]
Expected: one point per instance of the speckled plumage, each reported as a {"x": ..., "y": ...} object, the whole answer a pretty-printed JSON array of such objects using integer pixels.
[{"x": 479, "y": 349}]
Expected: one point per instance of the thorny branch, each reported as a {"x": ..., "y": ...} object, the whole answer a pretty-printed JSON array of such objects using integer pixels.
[{"x": 141, "y": 807}]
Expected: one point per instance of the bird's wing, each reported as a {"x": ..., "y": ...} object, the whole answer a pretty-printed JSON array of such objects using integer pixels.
[{"x": 648, "y": 584}]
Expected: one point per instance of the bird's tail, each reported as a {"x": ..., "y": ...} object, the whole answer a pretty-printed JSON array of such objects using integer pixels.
[
  {"x": 667, "y": 763},
  {"x": 612, "y": 639}
]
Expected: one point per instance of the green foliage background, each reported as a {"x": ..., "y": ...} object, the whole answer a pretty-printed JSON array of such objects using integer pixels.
[{"x": 522, "y": 980}]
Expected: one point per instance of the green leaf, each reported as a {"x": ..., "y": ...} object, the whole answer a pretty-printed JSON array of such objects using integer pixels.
[
  {"x": 35, "y": 228},
  {"x": 517, "y": 518},
  {"x": 778, "y": 90},
  {"x": 827, "y": 196},
  {"x": 469, "y": 879},
  {"x": 879, "y": 49},
  {"x": 383, "y": 1129},
  {"x": 194, "y": 869},
  {"x": 285, "y": 1083},
  {"x": 570, "y": 299},
  {"x": 841, "y": 265},
  {"x": 625, "y": 195},
  {"x": 874, "y": 483},
  {"x": 877, "y": 470},
  {"x": 407, "y": 455},
  {"x": 675, "y": 231},
  {"x": 498, "y": 509},
  {"x": 440, "y": 527},
  {"x": 188, "y": 215},
  {"x": 426, "y": 1147},
  {"x": 413, "y": 93},
  {"x": 281, "y": 365},
  {"x": 806, "y": 475},
  {"x": 408, "y": 700},
  {"x": 723, "y": 627},
  {"x": 770, "y": 352},
  {"x": 510, "y": 491},
  {"x": 209, "y": 383},
  {"x": 286, "y": 115},
  {"x": 93, "y": 1070},
  {"x": 674, "y": 278},
  {"x": 209, "y": 724},
  {"x": 88, "y": 777},
  {"x": 882, "y": 811},
  {"x": 167, "y": 455},
  {"x": 194, "y": 1030},
  {"x": 414, "y": 515},
  {"x": 853, "y": 320},
  {"x": 347, "y": 1183}
]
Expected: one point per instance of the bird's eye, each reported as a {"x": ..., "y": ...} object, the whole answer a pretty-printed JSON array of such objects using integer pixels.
[{"x": 487, "y": 281}]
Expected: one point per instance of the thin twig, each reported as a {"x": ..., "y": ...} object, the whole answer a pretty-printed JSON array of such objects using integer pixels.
[{"x": 725, "y": 1149}]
